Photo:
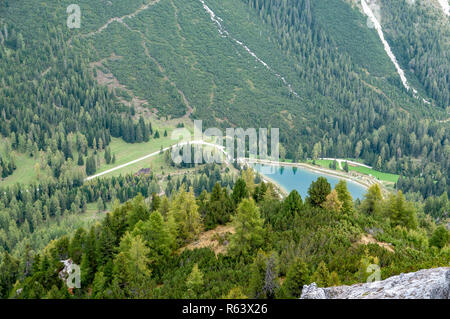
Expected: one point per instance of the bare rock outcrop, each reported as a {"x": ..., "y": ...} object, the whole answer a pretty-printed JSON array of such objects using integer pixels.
[{"x": 424, "y": 284}]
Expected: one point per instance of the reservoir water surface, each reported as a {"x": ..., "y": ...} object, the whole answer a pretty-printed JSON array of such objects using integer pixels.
[{"x": 300, "y": 179}]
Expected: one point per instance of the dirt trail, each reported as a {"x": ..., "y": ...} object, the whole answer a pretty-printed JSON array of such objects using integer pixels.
[
  {"x": 46, "y": 71},
  {"x": 218, "y": 21},
  {"x": 116, "y": 19},
  {"x": 176, "y": 20},
  {"x": 109, "y": 78},
  {"x": 166, "y": 78},
  {"x": 339, "y": 160},
  {"x": 147, "y": 52},
  {"x": 106, "y": 78},
  {"x": 180, "y": 144}
]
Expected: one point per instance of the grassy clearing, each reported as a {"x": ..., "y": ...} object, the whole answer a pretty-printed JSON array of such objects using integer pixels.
[
  {"x": 325, "y": 163},
  {"x": 157, "y": 164},
  {"x": 25, "y": 172},
  {"x": 387, "y": 177},
  {"x": 92, "y": 213},
  {"x": 126, "y": 152}
]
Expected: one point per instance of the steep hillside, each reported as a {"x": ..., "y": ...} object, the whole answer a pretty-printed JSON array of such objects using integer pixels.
[
  {"x": 419, "y": 32},
  {"x": 86, "y": 116},
  {"x": 259, "y": 246},
  {"x": 312, "y": 68}
]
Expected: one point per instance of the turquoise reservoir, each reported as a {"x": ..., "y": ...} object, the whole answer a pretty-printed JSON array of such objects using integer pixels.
[{"x": 300, "y": 179}]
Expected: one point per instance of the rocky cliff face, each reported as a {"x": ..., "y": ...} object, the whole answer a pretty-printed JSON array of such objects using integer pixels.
[{"x": 424, "y": 284}]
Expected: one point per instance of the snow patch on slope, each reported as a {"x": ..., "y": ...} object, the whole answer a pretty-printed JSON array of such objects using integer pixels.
[
  {"x": 445, "y": 6},
  {"x": 368, "y": 11},
  {"x": 224, "y": 33},
  {"x": 374, "y": 22}
]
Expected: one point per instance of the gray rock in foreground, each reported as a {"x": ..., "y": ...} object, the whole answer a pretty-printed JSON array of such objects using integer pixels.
[{"x": 424, "y": 284}]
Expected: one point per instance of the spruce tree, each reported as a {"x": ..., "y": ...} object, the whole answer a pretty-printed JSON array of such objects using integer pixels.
[
  {"x": 240, "y": 191},
  {"x": 344, "y": 196},
  {"x": 80, "y": 161},
  {"x": 297, "y": 276},
  {"x": 108, "y": 155},
  {"x": 249, "y": 228},
  {"x": 318, "y": 191}
]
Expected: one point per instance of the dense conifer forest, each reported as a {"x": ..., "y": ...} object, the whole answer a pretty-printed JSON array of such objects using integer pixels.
[
  {"x": 273, "y": 247},
  {"x": 386, "y": 127},
  {"x": 79, "y": 102}
]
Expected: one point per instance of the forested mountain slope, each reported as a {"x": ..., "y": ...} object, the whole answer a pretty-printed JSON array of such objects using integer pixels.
[
  {"x": 312, "y": 68},
  {"x": 270, "y": 249},
  {"x": 419, "y": 33},
  {"x": 137, "y": 69}
]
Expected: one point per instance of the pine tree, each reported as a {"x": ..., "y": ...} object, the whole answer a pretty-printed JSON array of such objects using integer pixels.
[
  {"x": 156, "y": 202},
  {"x": 194, "y": 282},
  {"x": 401, "y": 212},
  {"x": 108, "y": 155},
  {"x": 249, "y": 229},
  {"x": 9, "y": 270},
  {"x": 184, "y": 211},
  {"x": 344, "y": 196},
  {"x": 240, "y": 191},
  {"x": 332, "y": 202},
  {"x": 235, "y": 293},
  {"x": 257, "y": 275},
  {"x": 372, "y": 203},
  {"x": 146, "y": 133},
  {"x": 290, "y": 208},
  {"x": 143, "y": 129},
  {"x": 249, "y": 177},
  {"x": 440, "y": 237},
  {"x": 120, "y": 283},
  {"x": 91, "y": 166},
  {"x": 300, "y": 154},
  {"x": 297, "y": 276},
  {"x": 292, "y": 204},
  {"x": 80, "y": 161},
  {"x": 138, "y": 211},
  {"x": 318, "y": 191},
  {"x": 218, "y": 208},
  {"x": 157, "y": 236},
  {"x": 139, "y": 134},
  {"x": 264, "y": 275},
  {"x": 321, "y": 276},
  {"x": 99, "y": 285},
  {"x": 138, "y": 272},
  {"x": 346, "y": 166}
]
